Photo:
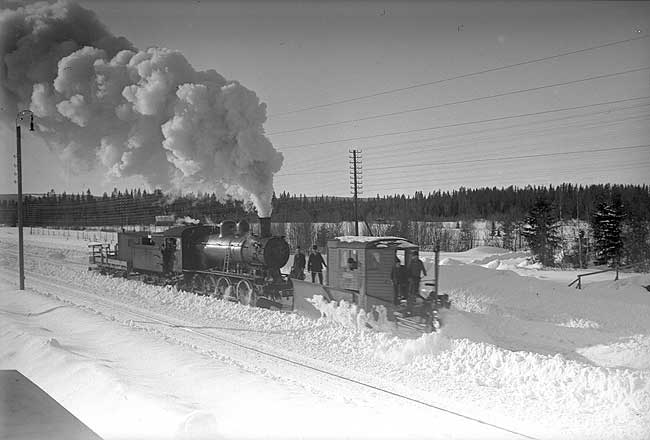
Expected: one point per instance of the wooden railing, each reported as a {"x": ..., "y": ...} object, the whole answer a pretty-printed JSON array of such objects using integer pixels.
[{"x": 579, "y": 279}]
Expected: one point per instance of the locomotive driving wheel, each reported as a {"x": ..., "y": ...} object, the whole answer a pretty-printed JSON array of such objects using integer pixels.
[
  {"x": 209, "y": 286},
  {"x": 223, "y": 284},
  {"x": 195, "y": 283},
  {"x": 246, "y": 293}
]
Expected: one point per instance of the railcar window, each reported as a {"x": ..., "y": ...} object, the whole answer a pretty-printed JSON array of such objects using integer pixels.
[
  {"x": 147, "y": 241},
  {"x": 374, "y": 262},
  {"x": 348, "y": 259}
]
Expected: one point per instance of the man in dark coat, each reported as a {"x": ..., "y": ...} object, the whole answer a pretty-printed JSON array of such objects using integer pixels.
[
  {"x": 400, "y": 281},
  {"x": 315, "y": 265},
  {"x": 298, "y": 269},
  {"x": 414, "y": 270}
]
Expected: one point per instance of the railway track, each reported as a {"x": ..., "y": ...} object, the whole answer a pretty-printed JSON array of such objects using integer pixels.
[{"x": 221, "y": 341}]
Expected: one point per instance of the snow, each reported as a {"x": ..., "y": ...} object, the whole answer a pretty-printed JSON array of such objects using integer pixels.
[{"x": 518, "y": 349}]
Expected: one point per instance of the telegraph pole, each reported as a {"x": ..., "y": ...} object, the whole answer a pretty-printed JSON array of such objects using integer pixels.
[
  {"x": 356, "y": 183},
  {"x": 19, "y": 179}
]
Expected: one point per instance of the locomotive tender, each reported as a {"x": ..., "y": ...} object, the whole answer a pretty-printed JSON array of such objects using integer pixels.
[{"x": 225, "y": 261}]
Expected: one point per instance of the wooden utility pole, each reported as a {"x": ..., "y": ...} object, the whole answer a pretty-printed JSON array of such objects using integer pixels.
[
  {"x": 19, "y": 179},
  {"x": 356, "y": 184}
]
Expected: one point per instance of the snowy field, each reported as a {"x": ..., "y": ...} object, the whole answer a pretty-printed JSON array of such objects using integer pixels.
[{"x": 521, "y": 355}]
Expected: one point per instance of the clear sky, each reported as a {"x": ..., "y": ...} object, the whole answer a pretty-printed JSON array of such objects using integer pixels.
[{"x": 299, "y": 55}]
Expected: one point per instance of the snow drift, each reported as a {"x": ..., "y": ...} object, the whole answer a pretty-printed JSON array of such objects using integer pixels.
[{"x": 521, "y": 352}]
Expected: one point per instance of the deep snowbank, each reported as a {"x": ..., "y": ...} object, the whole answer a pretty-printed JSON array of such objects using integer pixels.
[
  {"x": 522, "y": 350},
  {"x": 553, "y": 382}
]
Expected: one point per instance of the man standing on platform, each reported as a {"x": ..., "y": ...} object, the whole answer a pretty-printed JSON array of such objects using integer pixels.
[{"x": 414, "y": 269}]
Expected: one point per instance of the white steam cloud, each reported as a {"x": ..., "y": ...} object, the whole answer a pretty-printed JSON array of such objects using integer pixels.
[{"x": 99, "y": 101}]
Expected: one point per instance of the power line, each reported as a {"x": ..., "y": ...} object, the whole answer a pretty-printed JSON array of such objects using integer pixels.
[
  {"x": 472, "y": 142},
  {"x": 478, "y": 169},
  {"x": 460, "y": 124},
  {"x": 515, "y": 126},
  {"x": 464, "y": 101},
  {"x": 523, "y": 130},
  {"x": 467, "y": 75},
  {"x": 488, "y": 180},
  {"x": 527, "y": 156},
  {"x": 430, "y": 180}
]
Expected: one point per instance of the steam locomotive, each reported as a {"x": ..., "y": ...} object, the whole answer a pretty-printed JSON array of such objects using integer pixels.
[{"x": 225, "y": 261}]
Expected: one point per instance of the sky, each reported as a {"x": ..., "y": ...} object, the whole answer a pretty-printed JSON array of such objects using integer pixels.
[{"x": 381, "y": 77}]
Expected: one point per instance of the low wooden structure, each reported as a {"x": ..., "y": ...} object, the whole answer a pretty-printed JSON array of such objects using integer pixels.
[
  {"x": 613, "y": 269},
  {"x": 28, "y": 413}
]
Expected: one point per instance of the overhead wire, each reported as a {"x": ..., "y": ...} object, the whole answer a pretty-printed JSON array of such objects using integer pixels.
[
  {"x": 526, "y": 156},
  {"x": 464, "y": 101},
  {"x": 557, "y": 127},
  {"x": 433, "y": 183},
  {"x": 372, "y": 153},
  {"x": 475, "y": 169},
  {"x": 515, "y": 126},
  {"x": 527, "y": 127},
  {"x": 459, "y": 124},
  {"x": 479, "y": 169},
  {"x": 467, "y": 75},
  {"x": 504, "y": 181},
  {"x": 487, "y": 159}
]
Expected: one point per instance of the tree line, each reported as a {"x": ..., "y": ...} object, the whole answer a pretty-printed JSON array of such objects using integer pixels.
[
  {"x": 616, "y": 235},
  {"x": 617, "y": 216},
  {"x": 138, "y": 206},
  {"x": 570, "y": 202}
]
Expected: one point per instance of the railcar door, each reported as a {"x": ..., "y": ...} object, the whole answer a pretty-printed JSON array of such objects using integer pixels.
[
  {"x": 171, "y": 256},
  {"x": 147, "y": 255}
]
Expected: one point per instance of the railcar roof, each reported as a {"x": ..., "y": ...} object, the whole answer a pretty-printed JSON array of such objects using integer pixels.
[
  {"x": 364, "y": 242},
  {"x": 177, "y": 231}
]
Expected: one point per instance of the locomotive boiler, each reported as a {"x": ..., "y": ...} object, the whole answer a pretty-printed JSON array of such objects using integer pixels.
[
  {"x": 234, "y": 245},
  {"x": 226, "y": 261}
]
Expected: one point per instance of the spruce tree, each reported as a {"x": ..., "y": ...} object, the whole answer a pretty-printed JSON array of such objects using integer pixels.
[
  {"x": 608, "y": 241},
  {"x": 541, "y": 232}
]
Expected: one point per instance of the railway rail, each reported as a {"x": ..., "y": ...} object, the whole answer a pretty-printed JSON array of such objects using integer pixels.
[{"x": 227, "y": 343}]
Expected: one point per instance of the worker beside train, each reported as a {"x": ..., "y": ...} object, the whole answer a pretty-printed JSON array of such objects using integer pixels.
[
  {"x": 399, "y": 278},
  {"x": 414, "y": 269},
  {"x": 298, "y": 267},
  {"x": 315, "y": 265}
]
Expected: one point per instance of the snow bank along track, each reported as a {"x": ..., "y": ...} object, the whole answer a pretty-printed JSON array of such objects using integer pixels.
[{"x": 150, "y": 321}]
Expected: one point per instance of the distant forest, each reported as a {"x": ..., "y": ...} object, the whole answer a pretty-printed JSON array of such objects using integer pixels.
[{"x": 138, "y": 207}]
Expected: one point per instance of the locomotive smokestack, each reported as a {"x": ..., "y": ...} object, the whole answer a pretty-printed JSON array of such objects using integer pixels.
[{"x": 265, "y": 227}]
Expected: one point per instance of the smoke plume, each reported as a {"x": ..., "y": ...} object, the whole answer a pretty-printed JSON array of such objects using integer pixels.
[{"x": 104, "y": 105}]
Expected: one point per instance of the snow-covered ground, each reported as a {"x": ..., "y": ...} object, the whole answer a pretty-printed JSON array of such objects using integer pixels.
[{"x": 520, "y": 355}]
